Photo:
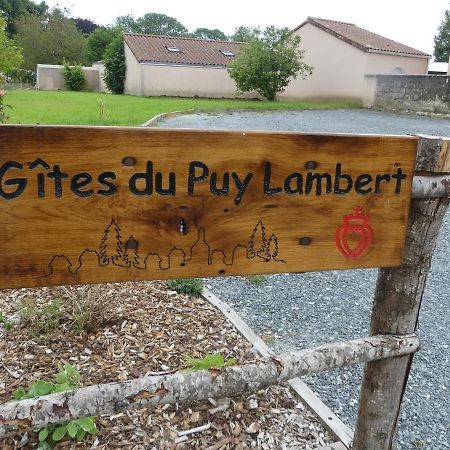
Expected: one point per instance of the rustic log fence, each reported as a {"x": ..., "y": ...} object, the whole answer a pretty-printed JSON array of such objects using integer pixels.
[
  {"x": 388, "y": 353},
  {"x": 200, "y": 385}
]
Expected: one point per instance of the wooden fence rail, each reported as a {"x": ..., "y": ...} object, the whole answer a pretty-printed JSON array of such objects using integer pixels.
[{"x": 168, "y": 389}]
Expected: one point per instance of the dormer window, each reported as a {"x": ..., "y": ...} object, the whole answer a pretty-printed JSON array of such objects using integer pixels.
[
  {"x": 173, "y": 49},
  {"x": 227, "y": 53}
]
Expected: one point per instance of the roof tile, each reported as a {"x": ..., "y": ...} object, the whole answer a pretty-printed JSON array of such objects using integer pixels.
[
  {"x": 201, "y": 52},
  {"x": 363, "y": 39}
]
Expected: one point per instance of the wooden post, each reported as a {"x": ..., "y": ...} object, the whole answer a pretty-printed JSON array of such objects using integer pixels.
[{"x": 396, "y": 307}]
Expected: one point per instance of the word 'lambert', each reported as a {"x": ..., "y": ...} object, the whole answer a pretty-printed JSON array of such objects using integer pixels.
[{"x": 15, "y": 179}]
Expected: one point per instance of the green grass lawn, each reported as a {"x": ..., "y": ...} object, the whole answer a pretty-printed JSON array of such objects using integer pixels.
[{"x": 83, "y": 108}]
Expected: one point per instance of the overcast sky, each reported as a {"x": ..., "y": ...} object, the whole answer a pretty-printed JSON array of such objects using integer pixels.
[{"x": 411, "y": 22}]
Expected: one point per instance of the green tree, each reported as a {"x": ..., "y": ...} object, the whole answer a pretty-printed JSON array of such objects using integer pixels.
[
  {"x": 126, "y": 23},
  {"x": 97, "y": 42},
  {"x": 86, "y": 26},
  {"x": 442, "y": 39},
  {"x": 152, "y": 23},
  {"x": 114, "y": 59},
  {"x": 245, "y": 34},
  {"x": 49, "y": 39},
  {"x": 13, "y": 9},
  {"x": 10, "y": 54},
  {"x": 267, "y": 64},
  {"x": 208, "y": 33}
]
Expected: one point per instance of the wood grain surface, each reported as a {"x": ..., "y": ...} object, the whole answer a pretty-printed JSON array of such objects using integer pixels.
[{"x": 88, "y": 205}]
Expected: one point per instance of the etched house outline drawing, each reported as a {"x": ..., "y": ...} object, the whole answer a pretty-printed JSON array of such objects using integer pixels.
[{"x": 114, "y": 250}]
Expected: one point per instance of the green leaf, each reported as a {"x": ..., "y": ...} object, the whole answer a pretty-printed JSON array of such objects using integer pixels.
[
  {"x": 80, "y": 435},
  {"x": 87, "y": 424},
  {"x": 61, "y": 378},
  {"x": 20, "y": 394},
  {"x": 191, "y": 361},
  {"x": 43, "y": 434},
  {"x": 72, "y": 429},
  {"x": 44, "y": 446},
  {"x": 39, "y": 388},
  {"x": 230, "y": 362},
  {"x": 68, "y": 374},
  {"x": 59, "y": 433},
  {"x": 62, "y": 387},
  {"x": 215, "y": 361}
]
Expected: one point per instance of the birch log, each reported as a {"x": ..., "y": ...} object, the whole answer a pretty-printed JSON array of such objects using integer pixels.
[
  {"x": 431, "y": 187},
  {"x": 168, "y": 389},
  {"x": 397, "y": 302}
]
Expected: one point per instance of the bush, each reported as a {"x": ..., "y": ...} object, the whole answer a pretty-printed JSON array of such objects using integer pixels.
[
  {"x": 191, "y": 286},
  {"x": 268, "y": 63},
  {"x": 114, "y": 59},
  {"x": 74, "y": 78},
  {"x": 19, "y": 75}
]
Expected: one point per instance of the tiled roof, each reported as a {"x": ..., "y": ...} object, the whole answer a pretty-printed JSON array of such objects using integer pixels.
[
  {"x": 198, "y": 52},
  {"x": 363, "y": 39}
]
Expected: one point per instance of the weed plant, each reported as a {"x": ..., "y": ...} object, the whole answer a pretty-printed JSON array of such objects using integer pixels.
[
  {"x": 189, "y": 286},
  {"x": 68, "y": 378}
]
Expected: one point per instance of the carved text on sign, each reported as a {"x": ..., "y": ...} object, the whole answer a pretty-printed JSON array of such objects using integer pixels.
[{"x": 56, "y": 181}]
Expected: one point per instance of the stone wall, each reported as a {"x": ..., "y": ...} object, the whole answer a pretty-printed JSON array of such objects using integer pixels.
[
  {"x": 412, "y": 87},
  {"x": 407, "y": 91}
]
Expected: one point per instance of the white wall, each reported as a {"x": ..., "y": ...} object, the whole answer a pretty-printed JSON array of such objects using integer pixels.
[
  {"x": 187, "y": 81},
  {"x": 339, "y": 69},
  {"x": 101, "y": 72},
  {"x": 50, "y": 77},
  {"x": 133, "y": 74},
  {"x": 383, "y": 64},
  {"x": 178, "y": 80}
]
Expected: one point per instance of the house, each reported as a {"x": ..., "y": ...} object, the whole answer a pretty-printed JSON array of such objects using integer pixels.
[
  {"x": 343, "y": 55},
  {"x": 178, "y": 66},
  {"x": 344, "y": 58}
]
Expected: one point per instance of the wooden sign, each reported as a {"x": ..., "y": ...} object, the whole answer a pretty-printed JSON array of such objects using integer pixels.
[{"x": 87, "y": 205}]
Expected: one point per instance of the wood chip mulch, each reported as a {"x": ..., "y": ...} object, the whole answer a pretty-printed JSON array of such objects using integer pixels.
[{"x": 146, "y": 329}]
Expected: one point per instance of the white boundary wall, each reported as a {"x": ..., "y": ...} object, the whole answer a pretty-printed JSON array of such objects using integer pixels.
[{"x": 50, "y": 77}]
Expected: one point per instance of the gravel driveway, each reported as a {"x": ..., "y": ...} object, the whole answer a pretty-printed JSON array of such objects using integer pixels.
[{"x": 302, "y": 310}]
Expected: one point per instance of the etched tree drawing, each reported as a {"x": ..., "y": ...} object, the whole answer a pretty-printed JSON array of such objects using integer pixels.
[
  {"x": 111, "y": 247},
  {"x": 131, "y": 255},
  {"x": 257, "y": 245},
  {"x": 272, "y": 247}
]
